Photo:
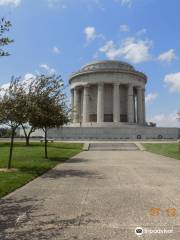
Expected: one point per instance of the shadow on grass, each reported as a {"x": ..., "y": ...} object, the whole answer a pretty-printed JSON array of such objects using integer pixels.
[
  {"x": 46, "y": 165},
  {"x": 70, "y": 147},
  {"x": 58, "y": 159},
  {"x": 20, "y": 144},
  {"x": 36, "y": 171}
]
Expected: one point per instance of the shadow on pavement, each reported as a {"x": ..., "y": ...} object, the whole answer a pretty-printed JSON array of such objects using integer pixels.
[
  {"x": 63, "y": 173},
  {"x": 35, "y": 226},
  {"x": 77, "y": 160},
  {"x": 13, "y": 211}
]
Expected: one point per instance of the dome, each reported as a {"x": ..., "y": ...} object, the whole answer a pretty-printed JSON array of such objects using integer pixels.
[{"x": 108, "y": 64}]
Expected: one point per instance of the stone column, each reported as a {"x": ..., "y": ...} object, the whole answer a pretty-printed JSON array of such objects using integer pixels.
[
  {"x": 134, "y": 105},
  {"x": 140, "y": 114},
  {"x": 72, "y": 104},
  {"x": 86, "y": 104},
  {"x": 100, "y": 103},
  {"x": 116, "y": 103},
  {"x": 144, "y": 106},
  {"x": 76, "y": 106},
  {"x": 130, "y": 104}
]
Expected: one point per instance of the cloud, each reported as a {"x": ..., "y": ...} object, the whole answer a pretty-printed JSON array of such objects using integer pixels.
[
  {"x": 10, "y": 3},
  {"x": 47, "y": 68},
  {"x": 52, "y": 3},
  {"x": 124, "y": 28},
  {"x": 172, "y": 81},
  {"x": 90, "y": 33},
  {"x": 56, "y": 50},
  {"x": 5, "y": 85},
  {"x": 127, "y": 3},
  {"x": 168, "y": 56},
  {"x": 151, "y": 97},
  {"x": 133, "y": 50},
  {"x": 3, "y": 89},
  {"x": 26, "y": 80},
  {"x": 88, "y": 4},
  {"x": 110, "y": 50},
  {"x": 28, "y": 77},
  {"x": 141, "y": 32},
  {"x": 165, "y": 120},
  {"x": 136, "y": 51}
]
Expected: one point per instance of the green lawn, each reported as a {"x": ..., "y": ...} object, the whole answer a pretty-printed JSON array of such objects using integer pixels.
[
  {"x": 30, "y": 162},
  {"x": 166, "y": 149}
]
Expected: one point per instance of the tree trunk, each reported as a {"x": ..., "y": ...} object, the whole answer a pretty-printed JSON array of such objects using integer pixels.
[
  {"x": 45, "y": 143},
  {"x": 11, "y": 147},
  {"x": 27, "y": 141},
  {"x": 27, "y": 136}
]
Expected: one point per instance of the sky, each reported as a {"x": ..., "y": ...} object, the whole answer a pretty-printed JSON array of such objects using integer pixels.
[{"x": 60, "y": 36}]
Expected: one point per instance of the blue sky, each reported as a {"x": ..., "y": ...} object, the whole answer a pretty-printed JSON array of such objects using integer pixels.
[{"x": 62, "y": 35}]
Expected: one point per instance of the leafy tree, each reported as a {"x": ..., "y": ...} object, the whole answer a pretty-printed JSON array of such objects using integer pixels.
[
  {"x": 4, "y": 41},
  {"x": 5, "y": 132},
  {"x": 48, "y": 104},
  {"x": 28, "y": 130},
  {"x": 28, "y": 90},
  {"x": 12, "y": 109}
]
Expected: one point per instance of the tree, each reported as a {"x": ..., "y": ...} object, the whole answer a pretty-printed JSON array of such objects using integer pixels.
[
  {"x": 28, "y": 130},
  {"x": 48, "y": 104},
  {"x": 12, "y": 109},
  {"x": 4, "y": 41},
  {"x": 28, "y": 90}
]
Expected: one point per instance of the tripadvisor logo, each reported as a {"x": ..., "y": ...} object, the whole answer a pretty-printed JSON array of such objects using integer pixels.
[{"x": 139, "y": 231}]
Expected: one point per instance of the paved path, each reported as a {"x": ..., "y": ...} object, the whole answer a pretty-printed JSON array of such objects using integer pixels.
[{"x": 96, "y": 195}]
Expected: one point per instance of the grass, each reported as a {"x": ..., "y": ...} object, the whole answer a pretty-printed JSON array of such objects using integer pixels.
[
  {"x": 165, "y": 149},
  {"x": 30, "y": 162}
]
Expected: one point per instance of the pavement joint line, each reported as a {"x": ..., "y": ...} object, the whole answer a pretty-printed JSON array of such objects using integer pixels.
[
  {"x": 24, "y": 215},
  {"x": 82, "y": 206},
  {"x": 169, "y": 199}
]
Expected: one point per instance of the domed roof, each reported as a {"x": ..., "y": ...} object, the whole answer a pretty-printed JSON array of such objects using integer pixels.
[{"x": 108, "y": 64}]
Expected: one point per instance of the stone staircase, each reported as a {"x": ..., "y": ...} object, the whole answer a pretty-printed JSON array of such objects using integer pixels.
[{"x": 113, "y": 147}]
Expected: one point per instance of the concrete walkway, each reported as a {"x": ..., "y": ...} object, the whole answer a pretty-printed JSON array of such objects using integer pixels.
[{"x": 97, "y": 195}]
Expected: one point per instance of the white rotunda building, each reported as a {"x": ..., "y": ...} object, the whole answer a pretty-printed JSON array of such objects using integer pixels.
[
  {"x": 108, "y": 103},
  {"x": 108, "y": 93}
]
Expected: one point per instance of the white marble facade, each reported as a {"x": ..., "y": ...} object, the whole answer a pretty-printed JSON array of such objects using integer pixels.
[{"x": 108, "y": 92}]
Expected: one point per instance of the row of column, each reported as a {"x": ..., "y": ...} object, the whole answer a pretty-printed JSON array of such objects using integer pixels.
[{"x": 116, "y": 104}]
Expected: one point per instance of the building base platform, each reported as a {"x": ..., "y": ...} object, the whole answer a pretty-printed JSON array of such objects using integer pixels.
[{"x": 126, "y": 132}]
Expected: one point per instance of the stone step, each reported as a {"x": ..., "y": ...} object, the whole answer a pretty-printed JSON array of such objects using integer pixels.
[{"x": 113, "y": 147}]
